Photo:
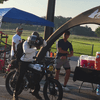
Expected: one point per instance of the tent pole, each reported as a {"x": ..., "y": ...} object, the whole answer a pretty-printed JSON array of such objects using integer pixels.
[{"x": 50, "y": 17}]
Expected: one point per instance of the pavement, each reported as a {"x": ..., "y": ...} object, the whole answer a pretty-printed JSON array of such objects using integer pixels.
[{"x": 86, "y": 92}]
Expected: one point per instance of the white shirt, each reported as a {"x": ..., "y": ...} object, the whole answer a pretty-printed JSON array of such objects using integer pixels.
[
  {"x": 29, "y": 52},
  {"x": 16, "y": 39}
]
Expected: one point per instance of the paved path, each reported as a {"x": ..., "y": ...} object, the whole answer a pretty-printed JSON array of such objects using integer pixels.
[{"x": 85, "y": 92}]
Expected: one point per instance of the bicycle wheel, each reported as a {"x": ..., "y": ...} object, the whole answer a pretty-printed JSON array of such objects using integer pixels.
[{"x": 52, "y": 90}]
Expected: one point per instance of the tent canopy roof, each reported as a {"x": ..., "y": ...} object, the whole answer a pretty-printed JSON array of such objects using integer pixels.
[{"x": 14, "y": 15}]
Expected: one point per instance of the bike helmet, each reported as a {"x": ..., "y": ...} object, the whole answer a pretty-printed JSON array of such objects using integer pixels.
[
  {"x": 33, "y": 40},
  {"x": 35, "y": 33},
  {"x": 40, "y": 41}
]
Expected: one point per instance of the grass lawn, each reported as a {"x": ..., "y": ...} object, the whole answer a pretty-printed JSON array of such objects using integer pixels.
[
  {"x": 77, "y": 42},
  {"x": 83, "y": 45}
]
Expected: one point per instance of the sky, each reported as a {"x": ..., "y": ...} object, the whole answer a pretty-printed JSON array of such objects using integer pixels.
[{"x": 65, "y": 8}]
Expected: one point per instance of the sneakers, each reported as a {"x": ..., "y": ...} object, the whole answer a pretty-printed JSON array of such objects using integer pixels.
[
  {"x": 36, "y": 95},
  {"x": 65, "y": 89}
]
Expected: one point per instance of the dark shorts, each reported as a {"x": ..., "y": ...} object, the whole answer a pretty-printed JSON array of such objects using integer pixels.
[{"x": 62, "y": 62}]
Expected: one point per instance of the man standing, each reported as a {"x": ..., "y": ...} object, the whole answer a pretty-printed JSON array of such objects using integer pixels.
[
  {"x": 62, "y": 55},
  {"x": 16, "y": 39}
]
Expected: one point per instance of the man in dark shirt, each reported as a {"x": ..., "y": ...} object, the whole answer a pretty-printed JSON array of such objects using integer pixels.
[{"x": 62, "y": 55}]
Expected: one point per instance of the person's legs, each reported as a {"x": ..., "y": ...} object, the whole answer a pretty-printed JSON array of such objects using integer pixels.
[
  {"x": 57, "y": 74},
  {"x": 66, "y": 66},
  {"x": 36, "y": 85},
  {"x": 36, "y": 92},
  {"x": 66, "y": 76},
  {"x": 21, "y": 70},
  {"x": 58, "y": 66},
  {"x": 67, "y": 69}
]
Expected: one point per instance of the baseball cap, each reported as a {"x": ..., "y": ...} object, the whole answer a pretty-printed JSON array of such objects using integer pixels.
[{"x": 19, "y": 29}]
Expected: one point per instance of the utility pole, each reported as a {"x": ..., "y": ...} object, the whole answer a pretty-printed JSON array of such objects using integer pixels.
[{"x": 50, "y": 17}]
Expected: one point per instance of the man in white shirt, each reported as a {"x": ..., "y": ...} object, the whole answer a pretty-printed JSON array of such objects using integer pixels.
[{"x": 16, "y": 39}]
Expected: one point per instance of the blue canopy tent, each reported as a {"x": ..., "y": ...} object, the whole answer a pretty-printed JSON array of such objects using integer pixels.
[{"x": 13, "y": 15}]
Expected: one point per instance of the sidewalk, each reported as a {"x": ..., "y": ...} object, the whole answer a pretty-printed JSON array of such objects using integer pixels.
[{"x": 86, "y": 92}]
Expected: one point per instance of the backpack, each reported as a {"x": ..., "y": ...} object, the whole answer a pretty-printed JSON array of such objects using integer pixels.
[{"x": 19, "y": 52}]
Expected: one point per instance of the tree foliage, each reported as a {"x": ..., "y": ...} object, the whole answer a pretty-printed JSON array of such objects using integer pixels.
[
  {"x": 83, "y": 31},
  {"x": 58, "y": 21},
  {"x": 97, "y": 31},
  {"x": 1, "y": 1}
]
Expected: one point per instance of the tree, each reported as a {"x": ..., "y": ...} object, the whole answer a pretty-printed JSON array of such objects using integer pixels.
[
  {"x": 58, "y": 21},
  {"x": 97, "y": 31},
  {"x": 1, "y": 1},
  {"x": 83, "y": 31}
]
